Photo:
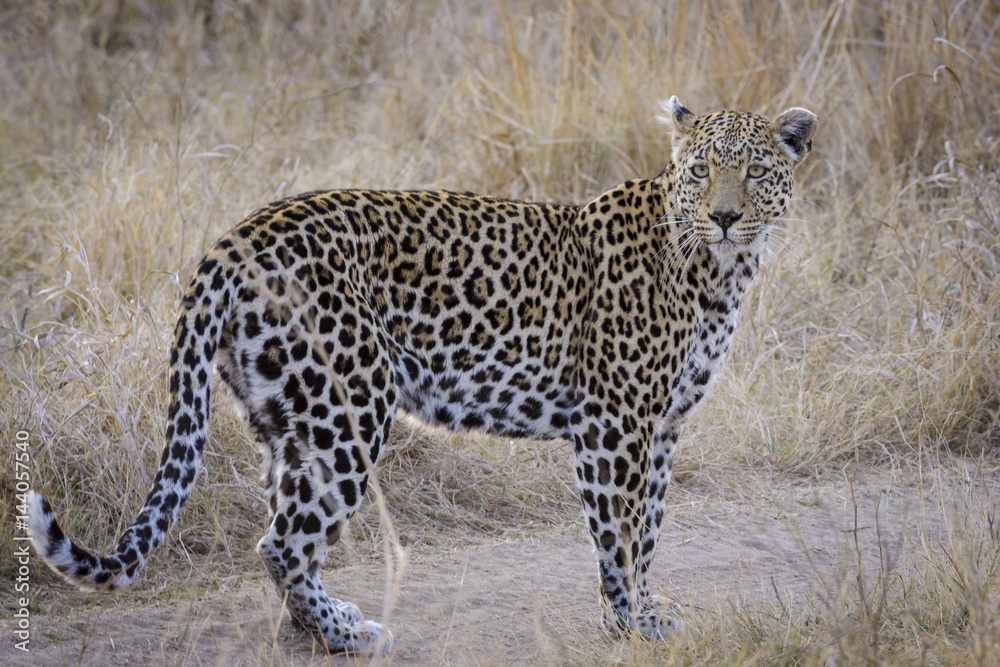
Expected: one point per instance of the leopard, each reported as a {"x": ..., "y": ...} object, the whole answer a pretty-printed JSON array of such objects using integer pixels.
[{"x": 602, "y": 324}]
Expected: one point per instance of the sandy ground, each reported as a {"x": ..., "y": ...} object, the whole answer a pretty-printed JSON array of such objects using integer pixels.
[{"x": 517, "y": 600}]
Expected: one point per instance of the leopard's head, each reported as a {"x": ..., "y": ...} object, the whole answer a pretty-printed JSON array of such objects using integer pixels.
[{"x": 732, "y": 171}]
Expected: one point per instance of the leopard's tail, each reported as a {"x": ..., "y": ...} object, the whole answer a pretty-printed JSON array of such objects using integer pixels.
[{"x": 204, "y": 312}]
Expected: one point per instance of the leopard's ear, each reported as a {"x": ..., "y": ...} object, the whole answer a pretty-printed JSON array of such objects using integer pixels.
[
  {"x": 793, "y": 131},
  {"x": 680, "y": 121}
]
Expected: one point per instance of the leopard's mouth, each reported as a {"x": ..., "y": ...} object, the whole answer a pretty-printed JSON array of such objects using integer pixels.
[{"x": 730, "y": 238}]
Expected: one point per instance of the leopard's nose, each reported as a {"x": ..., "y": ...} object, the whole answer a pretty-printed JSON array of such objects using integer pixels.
[{"x": 725, "y": 219}]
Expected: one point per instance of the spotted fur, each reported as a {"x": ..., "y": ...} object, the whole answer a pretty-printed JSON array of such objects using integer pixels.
[{"x": 604, "y": 324}]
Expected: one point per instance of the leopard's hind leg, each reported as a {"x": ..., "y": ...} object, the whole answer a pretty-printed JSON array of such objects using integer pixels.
[
  {"x": 319, "y": 474},
  {"x": 324, "y": 421},
  {"x": 293, "y": 550}
]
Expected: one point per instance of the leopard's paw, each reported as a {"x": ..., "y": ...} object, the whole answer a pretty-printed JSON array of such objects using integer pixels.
[
  {"x": 650, "y": 622},
  {"x": 368, "y": 636},
  {"x": 656, "y": 625},
  {"x": 668, "y": 610},
  {"x": 348, "y": 611}
]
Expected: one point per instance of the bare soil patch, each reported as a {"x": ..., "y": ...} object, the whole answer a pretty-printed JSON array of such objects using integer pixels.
[{"x": 531, "y": 598}]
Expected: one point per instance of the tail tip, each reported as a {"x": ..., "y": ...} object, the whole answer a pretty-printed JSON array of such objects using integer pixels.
[{"x": 76, "y": 565}]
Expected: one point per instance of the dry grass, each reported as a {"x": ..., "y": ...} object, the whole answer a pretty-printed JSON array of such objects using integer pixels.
[{"x": 134, "y": 134}]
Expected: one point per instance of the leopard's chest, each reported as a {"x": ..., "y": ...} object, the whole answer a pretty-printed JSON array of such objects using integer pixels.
[{"x": 707, "y": 350}]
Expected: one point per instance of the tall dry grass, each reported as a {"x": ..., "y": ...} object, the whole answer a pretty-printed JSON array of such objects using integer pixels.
[{"x": 134, "y": 134}]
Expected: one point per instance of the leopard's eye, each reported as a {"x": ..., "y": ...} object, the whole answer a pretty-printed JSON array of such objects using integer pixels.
[
  {"x": 756, "y": 171},
  {"x": 700, "y": 170}
]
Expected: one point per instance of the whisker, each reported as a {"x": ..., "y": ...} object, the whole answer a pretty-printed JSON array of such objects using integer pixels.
[
  {"x": 798, "y": 233},
  {"x": 686, "y": 250},
  {"x": 694, "y": 248},
  {"x": 669, "y": 246},
  {"x": 677, "y": 251},
  {"x": 685, "y": 244},
  {"x": 679, "y": 235},
  {"x": 807, "y": 201},
  {"x": 667, "y": 213},
  {"x": 675, "y": 221},
  {"x": 783, "y": 243},
  {"x": 792, "y": 220}
]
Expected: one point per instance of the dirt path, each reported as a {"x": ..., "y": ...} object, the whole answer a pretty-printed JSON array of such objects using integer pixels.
[{"x": 531, "y": 599}]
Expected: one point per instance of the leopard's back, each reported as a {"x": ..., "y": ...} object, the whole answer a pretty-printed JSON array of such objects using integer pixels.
[{"x": 477, "y": 301}]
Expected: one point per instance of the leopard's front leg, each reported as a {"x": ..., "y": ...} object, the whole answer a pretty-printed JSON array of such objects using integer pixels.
[
  {"x": 661, "y": 460},
  {"x": 613, "y": 475}
]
